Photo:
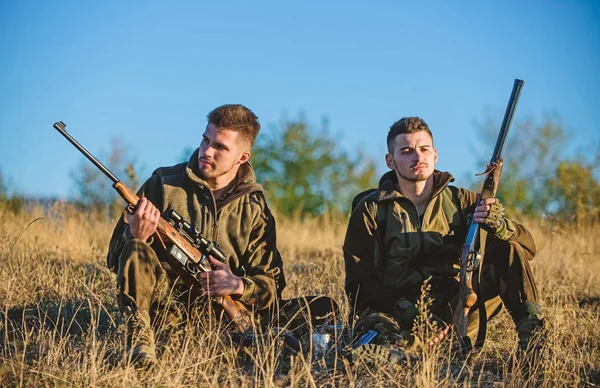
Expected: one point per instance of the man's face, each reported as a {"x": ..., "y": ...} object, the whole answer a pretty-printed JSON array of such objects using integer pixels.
[
  {"x": 221, "y": 153},
  {"x": 413, "y": 156}
]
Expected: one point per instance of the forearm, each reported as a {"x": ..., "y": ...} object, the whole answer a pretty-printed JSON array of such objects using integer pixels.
[
  {"x": 263, "y": 284},
  {"x": 523, "y": 237},
  {"x": 259, "y": 291},
  {"x": 509, "y": 230},
  {"x": 261, "y": 263}
]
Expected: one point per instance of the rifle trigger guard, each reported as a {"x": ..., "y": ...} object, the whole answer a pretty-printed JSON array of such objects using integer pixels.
[
  {"x": 183, "y": 259},
  {"x": 473, "y": 261}
]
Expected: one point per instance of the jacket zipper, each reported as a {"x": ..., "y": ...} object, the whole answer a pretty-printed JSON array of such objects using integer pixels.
[
  {"x": 203, "y": 220},
  {"x": 420, "y": 226},
  {"x": 405, "y": 227},
  {"x": 215, "y": 218}
]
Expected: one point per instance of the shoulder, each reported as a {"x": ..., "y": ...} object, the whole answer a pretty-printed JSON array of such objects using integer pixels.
[
  {"x": 250, "y": 206},
  {"x": 364, "y": 207},
  {"x": 464, "y": 196},
  {"x": 257, "y": 201},
  {"x": 177, "y": 169},
  {"x": 170, "y": 175},
  {"x": 362, "y": 196}
]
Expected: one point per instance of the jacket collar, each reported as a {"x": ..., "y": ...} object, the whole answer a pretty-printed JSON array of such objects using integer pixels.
[
  {"x": 388, "y": 185},
  {"x": 245, "y": 177}
]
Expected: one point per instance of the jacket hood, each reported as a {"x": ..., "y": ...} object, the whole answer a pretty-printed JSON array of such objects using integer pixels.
[{"x": 388, "y": 184}]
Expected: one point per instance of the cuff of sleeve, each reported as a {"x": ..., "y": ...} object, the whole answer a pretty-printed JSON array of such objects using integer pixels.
[
  {"x": 127, "y": 236},
  {"x": 127, "y": 233},
  {"x": 248, "y": 297},
  {"x": 506, "y": 231}
]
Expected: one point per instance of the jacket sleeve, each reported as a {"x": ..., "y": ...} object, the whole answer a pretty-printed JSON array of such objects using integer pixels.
[
  {"x": 521, "y": 235},
  {"x": 151, "y": 191},
  {"x": 263, "y": 279},
  {"x": 363, "y": 282},
  {"x": 117, "y": 241}
]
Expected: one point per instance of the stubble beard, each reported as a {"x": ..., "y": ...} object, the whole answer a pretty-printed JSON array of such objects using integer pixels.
[
  {"x": 213, "y": 171},
  {"x": 417, "y": 178}
]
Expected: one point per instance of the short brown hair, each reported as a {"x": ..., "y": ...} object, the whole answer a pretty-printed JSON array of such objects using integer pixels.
[
  {"x": 406, "y": 125},
  {"x": 237, "y": 118}
]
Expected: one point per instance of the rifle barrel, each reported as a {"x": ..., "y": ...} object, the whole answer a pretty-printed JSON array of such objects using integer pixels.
[
  {"x": 62, "y": 128},
  {"x": 508, "y": 118}
]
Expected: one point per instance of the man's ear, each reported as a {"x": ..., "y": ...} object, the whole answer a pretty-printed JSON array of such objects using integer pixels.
[
  {"x": 244, "y": 157},
  {"x": 389, "y": 161},
  {"x": 435, "y": 159}
]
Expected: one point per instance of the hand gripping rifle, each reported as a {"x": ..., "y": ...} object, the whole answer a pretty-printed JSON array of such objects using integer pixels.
[
  {"x": 184, "y": 248},
  {"x": 472, "y": 251}
]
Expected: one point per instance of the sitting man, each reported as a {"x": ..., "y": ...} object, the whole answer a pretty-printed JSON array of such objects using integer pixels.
[
  {"x": 216, "y": 192},
  {"x": 411, "y": 229}
]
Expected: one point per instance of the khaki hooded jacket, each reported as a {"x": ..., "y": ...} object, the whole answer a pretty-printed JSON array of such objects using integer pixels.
[
  {"x": 240, "y": 222},
  {"x": 389, "y": 251}
]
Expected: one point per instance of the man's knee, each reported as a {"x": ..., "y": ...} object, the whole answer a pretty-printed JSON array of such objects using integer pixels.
[
  {"x": 139, "y": 274},
  {"x": 500, "y": 252},
  {"x": 138, "y": 261}
]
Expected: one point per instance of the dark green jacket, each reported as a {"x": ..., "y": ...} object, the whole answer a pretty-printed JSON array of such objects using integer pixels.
[
  {"x": 389, "y": 250},
  {"x": 241, "y": 223}
]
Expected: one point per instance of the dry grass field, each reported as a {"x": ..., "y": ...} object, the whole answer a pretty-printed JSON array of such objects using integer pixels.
[{"x": 59, "y": 324}]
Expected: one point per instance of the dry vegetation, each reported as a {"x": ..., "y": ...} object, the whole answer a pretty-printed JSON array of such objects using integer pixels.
[{"x": 59, "y": 325}]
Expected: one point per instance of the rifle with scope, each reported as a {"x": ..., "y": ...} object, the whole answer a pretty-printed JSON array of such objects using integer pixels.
[{"x": 183, "y": 246}]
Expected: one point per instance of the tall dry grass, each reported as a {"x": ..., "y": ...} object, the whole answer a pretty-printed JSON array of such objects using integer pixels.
[{"x": 59, "y": 325}]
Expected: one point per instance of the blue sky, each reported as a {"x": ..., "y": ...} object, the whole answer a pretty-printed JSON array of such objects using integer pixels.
[{"x": 148, "y": 72}]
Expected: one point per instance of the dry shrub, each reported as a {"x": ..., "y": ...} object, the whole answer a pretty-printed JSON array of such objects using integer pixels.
[{"x": 59, "y": 324}]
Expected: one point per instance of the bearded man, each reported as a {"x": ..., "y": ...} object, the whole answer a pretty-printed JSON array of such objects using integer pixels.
[
  {"x": 216, "y": 192},
  {"x": 411, "y": 229}
]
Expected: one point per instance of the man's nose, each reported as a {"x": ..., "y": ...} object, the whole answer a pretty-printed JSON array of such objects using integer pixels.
[{"x": 209, "y": 151}]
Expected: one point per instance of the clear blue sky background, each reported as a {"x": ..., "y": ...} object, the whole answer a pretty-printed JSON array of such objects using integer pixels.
[{"x": 148, "y": 72}]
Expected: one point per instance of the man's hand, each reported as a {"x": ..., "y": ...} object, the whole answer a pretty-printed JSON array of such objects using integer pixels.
[
  {"x": 490, "y": 214},
  {"x": 444, "y": 331},
  {"x": 142, "y": 223},
  {"x": 220, "y": 281}
]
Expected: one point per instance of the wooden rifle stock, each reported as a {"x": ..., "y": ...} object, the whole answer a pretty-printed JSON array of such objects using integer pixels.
[
  {"x": 471, "y": 256},
  {"x": 178, "y": 249}
]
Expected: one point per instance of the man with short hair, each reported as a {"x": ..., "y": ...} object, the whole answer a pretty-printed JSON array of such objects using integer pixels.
[
  {"x": 215, "y": 191},
  {"x": 411, "y": 229}
]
